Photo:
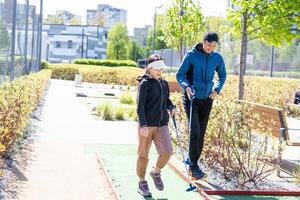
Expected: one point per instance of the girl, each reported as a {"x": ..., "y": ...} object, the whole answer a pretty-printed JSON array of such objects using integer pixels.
[{"x": 153, "y": 104}]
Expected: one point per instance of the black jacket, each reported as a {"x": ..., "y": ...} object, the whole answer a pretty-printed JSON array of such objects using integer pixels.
[{"x": 153, "y": 101}]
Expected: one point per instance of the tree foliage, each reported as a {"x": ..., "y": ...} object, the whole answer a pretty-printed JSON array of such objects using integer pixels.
[
  {"x": 117, "y": 47},
  {"x": 160, "y": 39},
  {"x": 135, "y": 51},
  {"x": 183, "y": 24},
  {"x": 216, "y": 24},
  {"x": 269, "y": 20}
]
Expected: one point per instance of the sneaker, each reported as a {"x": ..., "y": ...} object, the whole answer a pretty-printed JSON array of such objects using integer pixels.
[
  {"x": 157, "y": 180},
  {"x": 197, "y": 174},
  {"x": 143, "y": 189}
]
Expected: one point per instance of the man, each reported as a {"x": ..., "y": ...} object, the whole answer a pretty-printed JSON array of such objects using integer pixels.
[{"x": 197, "y": 69}]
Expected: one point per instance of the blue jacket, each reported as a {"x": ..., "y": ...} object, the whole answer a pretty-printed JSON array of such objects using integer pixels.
[{"x": 203, "y": 67}]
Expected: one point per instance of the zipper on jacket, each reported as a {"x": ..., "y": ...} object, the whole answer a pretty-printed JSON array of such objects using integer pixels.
[
  {"x": 161, "y": 103},
  {"x": 206, "y": 58}
]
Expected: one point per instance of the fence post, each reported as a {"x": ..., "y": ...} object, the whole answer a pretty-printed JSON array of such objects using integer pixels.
[
  {"x": 13, "y": 41},
  {"x": 40, "y": 36},
  {"x": 32, "y": 59},
  {"x": 26, "y": 38}
]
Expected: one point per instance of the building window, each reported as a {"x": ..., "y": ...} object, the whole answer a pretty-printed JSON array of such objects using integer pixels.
[
  {"x": 70, "y": 44},
  {"x": 57, "y": 44}
]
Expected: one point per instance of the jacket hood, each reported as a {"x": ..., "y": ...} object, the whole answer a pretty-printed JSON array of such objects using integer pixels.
[
  {"x": 198, "y": 48},
  {"x": 145, "y": 76}
]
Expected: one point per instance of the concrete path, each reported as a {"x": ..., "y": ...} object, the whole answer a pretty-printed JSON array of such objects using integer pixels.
[{"x": 57, "y": 167}]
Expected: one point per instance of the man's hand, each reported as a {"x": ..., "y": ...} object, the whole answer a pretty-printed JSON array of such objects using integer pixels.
[
  {"x": 189, "y": 92},
  {"x": 144, "y": 131},
  {"x": 213, "y": 95}
]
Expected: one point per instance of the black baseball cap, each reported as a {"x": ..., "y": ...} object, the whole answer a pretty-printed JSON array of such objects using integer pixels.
[{"x": 211, "y": 37}]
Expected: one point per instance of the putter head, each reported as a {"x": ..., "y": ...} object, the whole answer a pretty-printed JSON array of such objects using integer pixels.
[{"x": 191, "y": 188}]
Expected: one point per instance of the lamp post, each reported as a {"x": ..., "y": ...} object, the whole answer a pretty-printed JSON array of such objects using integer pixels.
[
  {"x": 87, "y": 45},
  {"x": 82, "y": 34},
  {"x": 154, "y": 29}
]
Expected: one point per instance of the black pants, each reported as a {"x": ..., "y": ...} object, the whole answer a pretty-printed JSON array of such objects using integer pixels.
[{"x": 200, "y": 115}]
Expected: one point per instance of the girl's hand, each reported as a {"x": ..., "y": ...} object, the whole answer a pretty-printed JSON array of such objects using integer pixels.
[{"x": 173, "y": 112}]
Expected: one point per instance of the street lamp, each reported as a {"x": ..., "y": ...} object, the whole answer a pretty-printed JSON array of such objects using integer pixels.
[
  {"x": 87, "y": 45},
  {"x": 154, "y": 28}
]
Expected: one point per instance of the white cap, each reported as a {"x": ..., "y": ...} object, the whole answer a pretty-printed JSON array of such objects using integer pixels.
[{"x": 158, "y": 64}]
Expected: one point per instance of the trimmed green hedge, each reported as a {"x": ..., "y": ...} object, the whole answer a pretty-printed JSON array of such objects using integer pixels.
[
  {"x": 94, "y": 74},
  {"x": 108, "y": 63},
  {"x": 64, "y": 72},
  {"x": 17, "y": 101}
]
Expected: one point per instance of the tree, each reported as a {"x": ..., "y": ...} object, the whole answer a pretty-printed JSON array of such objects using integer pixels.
[
  {"x": 216, "y": 24},
  {"x": 261, "y": 53},
  {"x": 287, "y": 53},
  {"x": 117, "y": 45},
  {"x": 296, "y": 61},
  {"x": 268, "y": 20},
  {"x": 160, "y": 42},
  {"x": 135, "y": 51},
  {"x": 183, "y": 24}
]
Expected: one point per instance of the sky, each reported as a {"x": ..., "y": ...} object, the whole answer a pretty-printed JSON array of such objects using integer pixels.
[{"x": 139, "y": 12}]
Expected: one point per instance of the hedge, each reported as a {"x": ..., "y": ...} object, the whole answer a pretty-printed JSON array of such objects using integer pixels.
[
  {"x": 108, "y": 63},
  {"x": 17, "y": 101}
]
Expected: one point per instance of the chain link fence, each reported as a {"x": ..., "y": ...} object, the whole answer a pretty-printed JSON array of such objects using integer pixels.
[{"x": 20, "y": 33}]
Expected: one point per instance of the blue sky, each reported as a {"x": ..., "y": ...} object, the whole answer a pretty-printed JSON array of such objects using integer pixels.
[{"x": 139, "y": 12}]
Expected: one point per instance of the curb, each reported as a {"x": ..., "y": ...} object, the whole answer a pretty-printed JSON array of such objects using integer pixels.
[{"x": 115, "y": 193}]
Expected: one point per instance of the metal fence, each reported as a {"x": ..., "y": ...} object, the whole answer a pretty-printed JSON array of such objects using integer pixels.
[{"x": 20, "y": 33}]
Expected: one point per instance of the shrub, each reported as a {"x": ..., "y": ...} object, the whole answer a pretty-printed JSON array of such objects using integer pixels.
[
  {"x": 126, "y": 98},
  {"x": 294, "y": 110},
  {"x": 64, "y": 72},
  {"x": 232, "y": 148},
  {"x": 132, "y": 113},
  {"x": 108, "y": 75},
  {"x": 17, "y": 101},
  {"x": 120, "y": 113},
  {"x": 105, "y": 110},
  {"x": 44, "y": 65},
  {"x": 108, "y": 63}
]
